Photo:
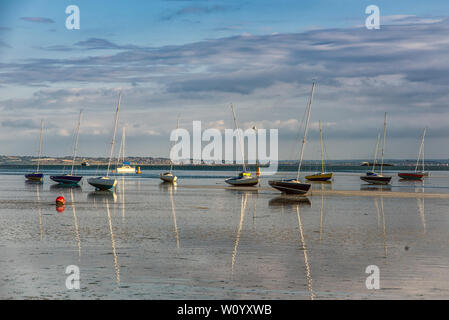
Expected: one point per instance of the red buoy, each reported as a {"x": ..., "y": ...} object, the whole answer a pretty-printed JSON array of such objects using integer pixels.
[{"x": 60, "y": 201}]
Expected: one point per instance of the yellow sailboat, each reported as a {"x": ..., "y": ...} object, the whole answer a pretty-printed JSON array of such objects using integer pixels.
[{"x": 323, "y": 175}]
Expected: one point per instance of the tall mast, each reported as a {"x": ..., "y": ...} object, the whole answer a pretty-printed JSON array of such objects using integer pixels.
[
  {"x": 421, "y": 151},
  {"x": 240, "y": 138},
  {"x": 377, "y": 150},
  {"x": 383, "y": 143},
  {"x": 40, "y": 146},
  {"x": 177, "y": 127},
  {"x": 124, "y": 141},
  {"x": 322, "y": 153},
  {"x": 113, "y": 136},
  {"x": 76, "y": 142},
  {"x": 305, "y": 130}
]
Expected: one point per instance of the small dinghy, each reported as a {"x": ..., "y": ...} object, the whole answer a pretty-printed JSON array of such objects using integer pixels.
[
  {"x": 320, "y": 176},
  {"x": 290, "y": 186},
  {"x": 66, "y": 179},
  {"x": 38, "y": 177},
  {"x": 374, "y": 178},
  {"x": 244, "y": 179},
  {"x": 168, "y": 177},
  {"x": 102, "y": 183}
]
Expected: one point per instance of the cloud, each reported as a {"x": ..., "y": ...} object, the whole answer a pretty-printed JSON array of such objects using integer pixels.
[
  {"x": 37, "y": 19},
  {"x": 195, "y": 10},
  {"x": 402, "y": 69}
]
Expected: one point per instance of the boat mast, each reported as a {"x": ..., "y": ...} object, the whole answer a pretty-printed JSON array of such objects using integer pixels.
[
  {"x": 377, "y": 150},
  {"x": 177, "y": 127},
  {"x": 383, "y": 143},
  {"x": 322, "y": 154},
  {"x": 124, "y": 141},
  {"x": 421, "y": 151},
  {"x": 40, "y": 146},
  {"x": 305, "y": 130},
  {"x": 115, "y": 130},
  {"x": 240, "y": 138},
  {"x": 76, "y": 142}
]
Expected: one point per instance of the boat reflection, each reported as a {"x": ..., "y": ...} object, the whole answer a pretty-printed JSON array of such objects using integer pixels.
[
  {"x": 421, "y": 208},
  {"x": 39, "y": 186},
  {"x": 239, "y": 229},
  {"x": 114, "y": 249},
  {"x": 75, "y": 220},
  {"x": 62, "y": 187},
  {"x": 321, "y": 185},
  {"x": 289, "y": 201},
  {"x": 381, "y": 219},
  {"x": 375, "y": 187},
  {"x": 166, "y": 186},
  {"x": 101, "y": 195},
  {"x": 172, "y": 189},
  {"x": 306, "y": 257}
]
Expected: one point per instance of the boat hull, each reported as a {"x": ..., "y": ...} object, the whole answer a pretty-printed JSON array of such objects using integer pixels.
[
  {"x": 375, "y": 179},
  {"x": 410, "y": 176},
  {"x": 320, "y": 177},
  {"x": 243, "y": 181},
  {"x": 126, "y": 169},
  {"x": 66, "y": 179},
  {"x": 102, "y": 183},
  {"x": 290, "y": 186},
  {"x": 35, "y": 177},
  {"x": 168, "y": 177}
]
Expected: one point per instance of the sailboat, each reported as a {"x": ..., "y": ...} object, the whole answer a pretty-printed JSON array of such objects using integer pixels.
[
  {"x": 416, "y": 175},
  {"x": 37, "y": 176},
  {"x": 323, "y": 175},
  {"x": 70, "y": 179},
  {"x": 126, "y": 166},
  {"x": 106, "y": 183},
  {"x": 373, "y": 177},
  {"x": 168, "y": 176},
  {"x": 244, "y": 178},
  {"x": 294, "y": 186}
]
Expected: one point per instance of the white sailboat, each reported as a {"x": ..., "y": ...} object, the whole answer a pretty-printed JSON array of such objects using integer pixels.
[
  {"x": 106, "y": 183},
  {"x": 126, "y": 167},
  {"x": 168, "y": 176},
  {"x": 244, "y": 178}
]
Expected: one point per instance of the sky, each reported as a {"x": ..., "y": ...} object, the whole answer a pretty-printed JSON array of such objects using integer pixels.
[{"x": 195, "y": 58}]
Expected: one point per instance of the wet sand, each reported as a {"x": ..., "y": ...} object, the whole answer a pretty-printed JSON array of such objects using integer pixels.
[{"x": 154, "y": 241}]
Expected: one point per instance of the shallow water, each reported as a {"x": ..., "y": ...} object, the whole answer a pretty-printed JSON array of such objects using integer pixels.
[{"x": 152, "y": 241}]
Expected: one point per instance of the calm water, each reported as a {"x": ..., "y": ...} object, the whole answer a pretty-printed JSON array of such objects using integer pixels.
[{"x": 152, "y": 241}]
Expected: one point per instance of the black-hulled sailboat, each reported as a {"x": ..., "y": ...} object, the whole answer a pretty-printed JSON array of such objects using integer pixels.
[
  {"x": 244, "y": 179},
  {"x": 373, "y": 177},
  {"x": 37, "y": 176},
  {"x": 70, "y": 179},
  {"x": 294, "y": 186}
]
